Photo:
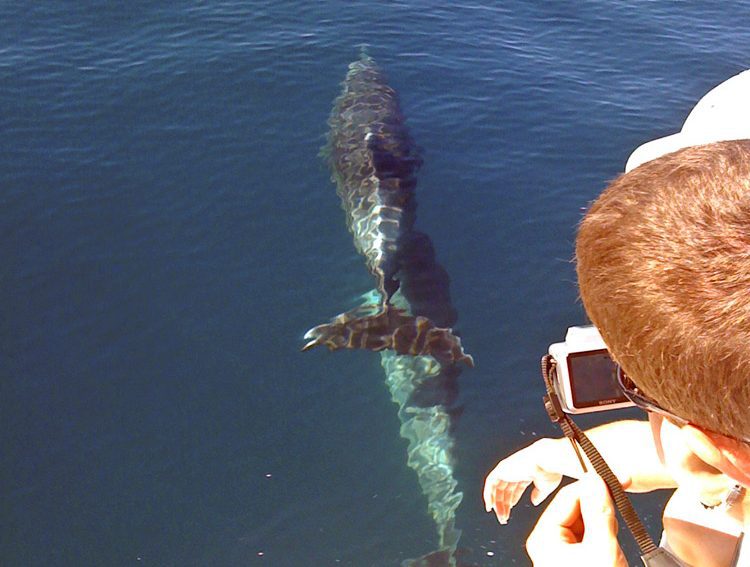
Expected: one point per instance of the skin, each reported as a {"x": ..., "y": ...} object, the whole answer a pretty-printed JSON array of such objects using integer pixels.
[
  {"x": 645, "y": 456},
  {"x": 546, "y": 461},
  {"x": 578, "y": 525}
]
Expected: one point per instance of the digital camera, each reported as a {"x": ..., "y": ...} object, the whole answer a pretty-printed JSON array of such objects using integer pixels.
[{"x": 586, "y": 376}]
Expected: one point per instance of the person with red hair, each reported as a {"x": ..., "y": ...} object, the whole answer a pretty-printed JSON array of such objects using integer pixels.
[{"x": 663, "y": 264}]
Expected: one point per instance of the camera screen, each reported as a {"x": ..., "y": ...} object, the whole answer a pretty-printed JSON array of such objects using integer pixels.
[{"x": 593, "y": 379}]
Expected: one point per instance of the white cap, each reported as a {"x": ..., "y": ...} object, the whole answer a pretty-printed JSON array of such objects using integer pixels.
[{"x": 722, "y": 114}]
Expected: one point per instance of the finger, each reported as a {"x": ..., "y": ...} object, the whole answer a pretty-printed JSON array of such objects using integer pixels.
[
  {"x": 502, "y": 508},
  {"x": 488, "y": 494},
  {"x": 509, "y": 497},
  {"x": 493, "y": 495},
  {"x": 514, "y": 495},
  {"x": 499, "y": 503},
  {"x": 491, "y": 484},
  {"x": 557, "y": 521},
  {"x": 552, "y": 534},
  {"x": 511, "y": 494},
  {"x": 503, "y": 473},
  {"x": 598, "y": 512}
]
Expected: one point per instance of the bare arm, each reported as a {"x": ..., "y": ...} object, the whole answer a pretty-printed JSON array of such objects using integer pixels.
[{"x": 627, "y": 446}]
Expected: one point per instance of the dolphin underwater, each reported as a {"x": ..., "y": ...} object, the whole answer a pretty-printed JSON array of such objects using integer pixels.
[
  {"x": 374, "y": 163},
  {"x": 408, "y": 318}
]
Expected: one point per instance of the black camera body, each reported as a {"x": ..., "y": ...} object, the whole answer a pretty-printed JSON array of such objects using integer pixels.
[{"x": 586, "y": 376}]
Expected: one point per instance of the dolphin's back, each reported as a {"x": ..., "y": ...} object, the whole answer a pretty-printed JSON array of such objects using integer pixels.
[{"x": 374, "y": 162}]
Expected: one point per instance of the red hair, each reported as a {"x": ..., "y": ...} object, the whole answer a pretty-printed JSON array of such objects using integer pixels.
[{"x": 663, "y": 261}]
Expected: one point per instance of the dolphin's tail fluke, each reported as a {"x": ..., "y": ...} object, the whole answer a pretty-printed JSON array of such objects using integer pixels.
[{"x": 389, "y": 327}]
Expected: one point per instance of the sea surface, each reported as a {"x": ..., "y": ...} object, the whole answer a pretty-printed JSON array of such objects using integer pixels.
[{"x": 168, "y": 233}]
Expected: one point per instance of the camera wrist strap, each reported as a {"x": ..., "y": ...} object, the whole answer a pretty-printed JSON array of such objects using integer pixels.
[{"x": 650, "y": 553}]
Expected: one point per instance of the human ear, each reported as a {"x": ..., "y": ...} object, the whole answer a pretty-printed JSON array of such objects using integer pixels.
[{"x": 730, "y": 456}]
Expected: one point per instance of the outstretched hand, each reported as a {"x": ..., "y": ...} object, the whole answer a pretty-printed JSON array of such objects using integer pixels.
[
  {"x": 507, "y": 482},
  {"x": 579, "y": 527}
]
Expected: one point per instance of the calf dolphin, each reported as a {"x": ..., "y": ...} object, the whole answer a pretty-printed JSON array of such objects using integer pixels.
[
  {"x": 374, "y": 163},
  {"x": 408, "y": 317}
]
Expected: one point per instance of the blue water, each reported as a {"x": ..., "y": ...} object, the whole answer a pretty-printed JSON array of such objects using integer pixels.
[{"x": 168, "y": 233}]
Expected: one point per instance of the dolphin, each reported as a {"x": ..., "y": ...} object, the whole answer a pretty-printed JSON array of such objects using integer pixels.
[
  {"x": 408, "y": 318},
  {"x": 374, "y": 161}
]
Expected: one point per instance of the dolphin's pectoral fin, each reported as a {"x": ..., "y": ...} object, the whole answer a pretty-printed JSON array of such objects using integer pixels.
[
  {"x": 364, "y": 327},
  {"x": 439, "y": 342},
  {"x": 388, "y": 328}
]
